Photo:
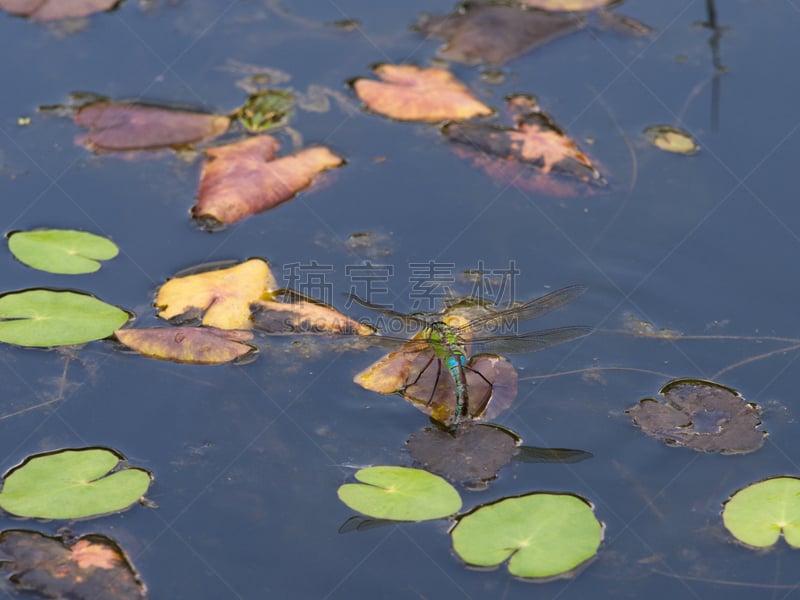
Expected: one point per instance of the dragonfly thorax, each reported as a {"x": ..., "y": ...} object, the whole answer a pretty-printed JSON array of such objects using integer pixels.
[{"x": 446, "y": 343}]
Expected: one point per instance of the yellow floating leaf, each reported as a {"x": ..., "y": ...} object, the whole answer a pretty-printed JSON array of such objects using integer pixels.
[
  {"x": 409, "y": 93},
  {"x": 222, "y": 296},
  {"x": 671, "y": 139},
  {"x": 304, "y": 317}
]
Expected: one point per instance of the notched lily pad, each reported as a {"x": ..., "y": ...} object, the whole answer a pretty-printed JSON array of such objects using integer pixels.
[
  {"x": 63, "y": 251},
  {"x": 221, "y": 296},
  {"x": 671, "y": 139},
  {"x": 43, "y": 318},
  {"x": 191, "y": 345},
  {"x": 420, "y": 379},
  {"x": 534, "y": 154},
  {"x": 400, "y": 494},
  {"x": 758, "y": 514},
  {"x": 72, "y": 484},
  {"x": 410, "y": 93},
  {"x": 702, "y": 415},
  {"x": 494, "y": 34},
  {"x": 119, "y": 127},
  {"x": 93, "y": 566},
  {"x": 473, "y": 454},
  {"x": 541, "y": 535},
  {"x": 56, "y": 10},
  {"x": 244, "y": 178}
]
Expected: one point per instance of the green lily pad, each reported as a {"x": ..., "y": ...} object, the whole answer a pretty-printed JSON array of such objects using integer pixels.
[
  {"x": 44, "y": 318},
  {"x": 72, "y": 484},
  {"x": 400, "y": 494},
  {"x": 61, "y": 251},
  {"x": 759, "y": 513},
  {"x": 541, "y": 535}
]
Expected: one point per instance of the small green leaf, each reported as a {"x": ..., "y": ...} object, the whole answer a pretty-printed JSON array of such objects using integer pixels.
[
  {"x": 400, "y": 494},
  {"x": 759, "y": 513},
  {"x": 45, "y": 318},
  {"x": 543, "y": 535},
  {"x": 72, "y": 484},
  {"x": 61, "y": 250}
]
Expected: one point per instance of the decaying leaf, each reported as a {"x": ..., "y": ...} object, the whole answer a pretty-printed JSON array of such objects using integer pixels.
[
  {"x": 701, "y": 415},
  {"x": 121, "y": 127},
  {"x": 304, "y": 317},
  {"x": 92, "y": 567},
  {"x": 192, "y": 345},
  {"x": 671, "y": 139},
  {"x": 534, "y": 154},
  {"x": 409, "y": 93},
  {"x": 493, "y": 34},
  {"x": 242, "y": 179},
  {"x": 56, "y": 10},
  {"x": 566, "y": 5},
  {"x": 222, "y": 297},
  {"x": 420, "y": 378},
  {"x": 473, "y": 454}
]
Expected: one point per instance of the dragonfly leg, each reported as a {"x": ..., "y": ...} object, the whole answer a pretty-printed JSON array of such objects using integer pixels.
[
  {"x": 486, "y": 397},
  {"x": 435, "y": 383},
  {"x": 421, "y": 371}
]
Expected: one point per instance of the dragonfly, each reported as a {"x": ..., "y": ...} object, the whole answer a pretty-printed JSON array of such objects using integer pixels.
[{"x": 441, "y": 343}]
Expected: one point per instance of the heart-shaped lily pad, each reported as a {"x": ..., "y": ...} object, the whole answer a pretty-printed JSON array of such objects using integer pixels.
[
  {"x": 44, "y": 318},
  {"x": 400, "y": 494},
  {"x": 541, "y": 535},
  {"x": 72, "y": 484},
  {"x": 759, "y": 513},
  {"x": 62, "y": 251}
]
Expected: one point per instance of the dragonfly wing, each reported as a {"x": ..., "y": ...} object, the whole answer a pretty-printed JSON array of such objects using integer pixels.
[
  {"x": 530, "y": 342},
  {"x": 409, "y": 324},
  {"x": 504, "y": 320}
]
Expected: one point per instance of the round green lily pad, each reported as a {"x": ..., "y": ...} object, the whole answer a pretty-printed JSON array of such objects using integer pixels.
[
  {"x": 759, "y": 513},
  {"x": 62, "y": 251},
  {"x": 400, "y": 494},
  {"x": 541, "y": 535},
  {"x": 45, "y": 318},
  {"x": 72, "y": 484}
]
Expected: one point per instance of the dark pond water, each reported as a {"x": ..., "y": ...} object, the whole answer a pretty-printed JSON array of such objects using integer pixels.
[{"x": 247, "y": 459}]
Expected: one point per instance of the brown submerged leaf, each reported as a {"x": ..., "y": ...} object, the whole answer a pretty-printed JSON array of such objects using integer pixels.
[
  {"x": 56, "y": 10},
  {"x": 122, "y": 127},
  {"x": 410, "y": 93},
  {"x": 701, "y": 415},
  {"x": 191, "y": 345},
  {"x": 222, "y": 296},
  {"x": 242, "y": 179},
  {"x": 303, "y": 317},
  {"x": 472, "y": 455},
  {"x": 531, "y": 154},
  {"x": 494, "y": 34},
  {"x": 92, "y": 567}
]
